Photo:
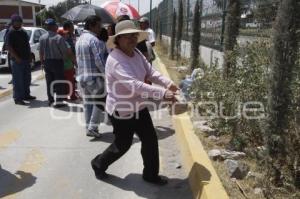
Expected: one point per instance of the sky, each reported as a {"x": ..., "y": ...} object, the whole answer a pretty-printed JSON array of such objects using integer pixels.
[{"x": 144, "y": 4}]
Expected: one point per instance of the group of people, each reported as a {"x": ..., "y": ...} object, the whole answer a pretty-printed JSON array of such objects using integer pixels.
[
  {"x": 113, "y": 74},
  {"x": 57, "y": 55}
]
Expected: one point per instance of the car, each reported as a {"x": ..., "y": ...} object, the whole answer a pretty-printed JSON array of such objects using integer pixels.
[{"x": 34, "y": 34}]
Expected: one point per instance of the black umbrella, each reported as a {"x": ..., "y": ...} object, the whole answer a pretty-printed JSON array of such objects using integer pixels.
[{"x": 81, "y": 12}]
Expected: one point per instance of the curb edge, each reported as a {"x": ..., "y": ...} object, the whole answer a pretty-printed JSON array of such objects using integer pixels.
[{"x": 9, "y": 90}]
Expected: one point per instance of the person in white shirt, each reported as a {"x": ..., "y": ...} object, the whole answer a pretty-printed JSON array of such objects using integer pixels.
[{"x": 144, "y": 25}]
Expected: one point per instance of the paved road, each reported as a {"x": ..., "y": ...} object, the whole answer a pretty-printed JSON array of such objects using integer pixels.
[{"x": 44, "y": 153}]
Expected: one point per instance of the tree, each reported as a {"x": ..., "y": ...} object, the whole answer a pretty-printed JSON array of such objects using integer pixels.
[
  {"x": 179, "y": 29},
  {"x": 196, "y": 35},
  {"x": 284, "y": 57},
  {"x": 173, "y": 36},
  {"x": 265, "y": 12},
  {"x": 63, "y": 7},
  {"x": 157, "y": 23},
  {"x": 232, "y": 24},
  {"x": 43, "y": 15}
]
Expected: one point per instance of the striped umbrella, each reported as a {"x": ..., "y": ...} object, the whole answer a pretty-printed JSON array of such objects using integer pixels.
[{"x": 117, "y": 8}]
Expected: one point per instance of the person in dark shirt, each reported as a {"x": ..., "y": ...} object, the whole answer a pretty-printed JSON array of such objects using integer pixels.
[
  {"x": 69, "y": 26},
  {"x": 53, "y": 51},
  {"x": 111, "y": 29},
  {"x": 19, "y": 49},
  {"x": 103, "y": 36}
]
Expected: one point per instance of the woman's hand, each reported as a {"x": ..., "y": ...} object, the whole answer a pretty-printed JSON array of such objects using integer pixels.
[
  {"x": 170, "y": 96},
  {"x": 173, "y": 88}
]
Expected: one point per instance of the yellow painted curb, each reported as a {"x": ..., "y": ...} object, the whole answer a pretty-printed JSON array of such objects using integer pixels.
[
  {"x": 203, "y": 179},
  {"x": 9, "y": 91},
  {"x": 6, "y": 92}
]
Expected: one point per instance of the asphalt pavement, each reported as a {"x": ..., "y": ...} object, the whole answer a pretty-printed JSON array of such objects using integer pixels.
[{"x": 44, "y": 153}]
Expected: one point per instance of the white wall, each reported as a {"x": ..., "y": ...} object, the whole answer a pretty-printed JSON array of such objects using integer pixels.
[{"x": 208, "y": 55}]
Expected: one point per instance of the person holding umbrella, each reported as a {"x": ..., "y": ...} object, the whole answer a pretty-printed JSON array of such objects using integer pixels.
[{"x": 126, "y": 69}]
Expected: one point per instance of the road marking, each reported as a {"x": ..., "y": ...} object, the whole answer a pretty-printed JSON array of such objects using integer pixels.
[
  {"x": 33, "y": 161},
  {"x": 25, "y": 174},
  {"x": 8, "y": 138}
]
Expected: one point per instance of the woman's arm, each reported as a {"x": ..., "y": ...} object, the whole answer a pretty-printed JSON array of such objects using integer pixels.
[{"x": 128, "y": 80}]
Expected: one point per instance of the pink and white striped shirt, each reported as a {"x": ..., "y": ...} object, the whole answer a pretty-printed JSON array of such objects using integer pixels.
[{"x": 126, "y": 90}]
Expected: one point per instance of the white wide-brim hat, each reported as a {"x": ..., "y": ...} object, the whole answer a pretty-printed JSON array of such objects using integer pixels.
[{"x": 126, "y": 27}]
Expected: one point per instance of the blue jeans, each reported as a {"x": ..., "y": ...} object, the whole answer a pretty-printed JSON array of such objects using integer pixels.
[
  {"x": 21, "y": 76},
  {"x": 93, "y": 114}
]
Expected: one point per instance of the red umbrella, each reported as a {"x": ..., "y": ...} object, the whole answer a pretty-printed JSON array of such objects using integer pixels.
[{"x": 117, "y": 8}]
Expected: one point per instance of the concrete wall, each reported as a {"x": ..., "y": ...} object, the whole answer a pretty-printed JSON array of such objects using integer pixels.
[{"x": 208, "y": 55}]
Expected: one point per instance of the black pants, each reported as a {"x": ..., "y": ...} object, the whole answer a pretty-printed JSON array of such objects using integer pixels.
[
  {"x": 124, "y": 130},
  {"x": 54, "y": 69}
]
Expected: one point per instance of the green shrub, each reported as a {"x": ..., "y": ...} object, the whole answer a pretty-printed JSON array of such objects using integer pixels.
[{"x": 247, "y": 84}]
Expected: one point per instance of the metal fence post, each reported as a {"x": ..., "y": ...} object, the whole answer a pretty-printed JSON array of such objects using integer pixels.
[
  {"x": 188, "y": 19},
  {"x": 150, "y": 12},
  {"x": 223, "y": 22}
]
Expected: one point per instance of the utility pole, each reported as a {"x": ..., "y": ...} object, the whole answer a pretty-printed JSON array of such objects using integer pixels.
[
  {"x": 139, "y": 6},
  {"x": 20, "y": 8}
]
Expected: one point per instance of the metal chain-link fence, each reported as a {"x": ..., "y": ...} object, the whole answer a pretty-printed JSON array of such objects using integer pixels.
[{"x": 256, "y": 19}]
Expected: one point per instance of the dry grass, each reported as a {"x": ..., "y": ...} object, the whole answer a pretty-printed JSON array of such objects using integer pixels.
[
  {"x": 162, "y": 52},
  {"x": 248, "y": 185}
]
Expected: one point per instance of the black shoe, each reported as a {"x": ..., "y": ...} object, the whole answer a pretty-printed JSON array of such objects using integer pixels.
[
  {"x": 93, "y": 133},
  {"x": 30, "y": 97},
  {"x": 60, "y": 105},
  {"x": 157, "y": 180},
  {"x": 20, "y": 102},
  {"x": 100, "y": 175},
  {"x": 50, "y": 103}
]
